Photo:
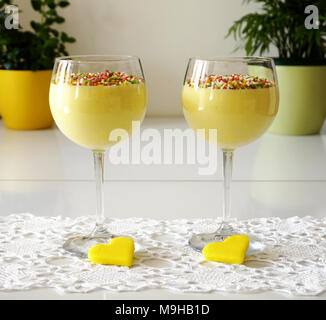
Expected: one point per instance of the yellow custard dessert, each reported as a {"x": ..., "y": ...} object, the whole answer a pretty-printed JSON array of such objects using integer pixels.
[
  {"x": 87, "y": 108},
  {"x": 239, "y": 107}
]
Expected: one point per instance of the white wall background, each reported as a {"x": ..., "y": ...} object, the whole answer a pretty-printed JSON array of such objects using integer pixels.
[{"x": 164, "y": 34}]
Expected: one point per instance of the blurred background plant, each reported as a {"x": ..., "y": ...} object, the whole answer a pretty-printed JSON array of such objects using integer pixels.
[
  {"x": 33, "y": 50},
  {"x": 281, "y": 23},
  {"x": 301, "y": 65}
]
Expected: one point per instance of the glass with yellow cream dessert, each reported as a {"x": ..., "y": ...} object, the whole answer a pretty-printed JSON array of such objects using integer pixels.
[
  {"x": 93, "y": 100},
  {"x": 89, "y": 106},
  {"x": 237, "y": 98},
  {"x": 239, "y": 107}
]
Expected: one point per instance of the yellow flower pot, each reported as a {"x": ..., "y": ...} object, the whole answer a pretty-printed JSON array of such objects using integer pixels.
[
  {"x": 24, "y": 99},
  {"x": 302, "y": 108}
]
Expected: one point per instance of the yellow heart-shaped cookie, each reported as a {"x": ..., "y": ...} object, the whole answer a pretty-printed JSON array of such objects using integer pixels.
[
  {"x": 232, "y": 250},
  {"x": 119, "y": 251}
]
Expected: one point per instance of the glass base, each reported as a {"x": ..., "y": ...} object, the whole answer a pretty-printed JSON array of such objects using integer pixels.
[
  {"x": 80, "y": 245},
  {"x": 199, "y": 241}
]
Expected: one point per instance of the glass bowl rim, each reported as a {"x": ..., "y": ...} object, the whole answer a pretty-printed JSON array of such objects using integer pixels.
[
  {"x": 96, "y": 58},
  {"x": 251, "y": 59}
]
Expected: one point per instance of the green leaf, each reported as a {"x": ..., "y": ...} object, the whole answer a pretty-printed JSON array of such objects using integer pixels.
[
  {"x": 36, "y": 4},
  {"x": 54, "y": 32},
  {"x": 59, "y": 19},
  {"x": 35, "y": 25},
  {"x": 51, "y": 12},
  {"x": 51, "y": 43},
  {"x": 49, "y": 21},
  {"x": 63, "y": 4},
  {"x": 66, "y": 38},
  {"x": 3, "y": 42},
  {"x": 50, "y": 3}
]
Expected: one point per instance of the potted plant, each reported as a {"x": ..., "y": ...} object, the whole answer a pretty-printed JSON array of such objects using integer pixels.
[
  {"x": 301, "y": 65},
  {"x": 26, "y": 60}
]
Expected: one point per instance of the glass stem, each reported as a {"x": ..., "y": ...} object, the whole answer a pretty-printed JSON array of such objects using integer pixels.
[
  {"x": 99, "y": 181},
  {"x": 227, "y": 173}
]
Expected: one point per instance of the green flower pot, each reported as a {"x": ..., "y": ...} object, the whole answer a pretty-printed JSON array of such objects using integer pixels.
[{"x": 302, "y": 108}]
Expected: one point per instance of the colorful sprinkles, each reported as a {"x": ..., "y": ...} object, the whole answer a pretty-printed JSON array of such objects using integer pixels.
[
  {"x": 105, "y": 79},
  {"x": 233, "y": 82}
]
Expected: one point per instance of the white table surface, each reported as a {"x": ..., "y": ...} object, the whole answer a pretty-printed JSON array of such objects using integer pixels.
[{"x": 44, "y": 173}]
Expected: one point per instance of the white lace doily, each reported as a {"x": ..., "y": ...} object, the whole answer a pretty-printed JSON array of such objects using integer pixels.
[{"x": 293, "y": 262}]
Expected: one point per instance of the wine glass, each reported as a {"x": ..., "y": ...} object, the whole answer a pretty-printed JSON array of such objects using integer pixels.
[
  {"x": 91, "y": 97},
  {"x": 238, "y": 99}
]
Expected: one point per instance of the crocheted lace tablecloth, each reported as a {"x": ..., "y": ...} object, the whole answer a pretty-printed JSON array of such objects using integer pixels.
[{"x": 293, "y": 261}]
